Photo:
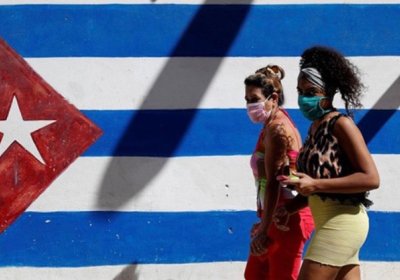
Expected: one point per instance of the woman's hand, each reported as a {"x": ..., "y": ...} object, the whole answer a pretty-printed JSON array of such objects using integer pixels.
[
  {"x": 281, "y": 218},
  {"x": 254, "y": 229},
  {"x": 259, "y": 244},
  {"x": 304, "y": 184}
]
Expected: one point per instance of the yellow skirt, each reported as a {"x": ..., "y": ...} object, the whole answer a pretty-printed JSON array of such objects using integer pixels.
[{"x": 340, "y": 231}]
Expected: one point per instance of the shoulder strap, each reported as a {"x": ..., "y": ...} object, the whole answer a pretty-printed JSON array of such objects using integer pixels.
[{"x": 288, "y": 116}]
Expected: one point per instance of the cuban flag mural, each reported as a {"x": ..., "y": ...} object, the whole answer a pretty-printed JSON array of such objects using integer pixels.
[{"x": 125, "y": 143}]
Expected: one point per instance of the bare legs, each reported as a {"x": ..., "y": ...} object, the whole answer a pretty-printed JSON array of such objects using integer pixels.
[{"x": 315, "y": 271}]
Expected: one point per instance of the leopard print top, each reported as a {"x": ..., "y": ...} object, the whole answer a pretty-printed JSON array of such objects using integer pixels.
[{"x": 322, "y": 157}]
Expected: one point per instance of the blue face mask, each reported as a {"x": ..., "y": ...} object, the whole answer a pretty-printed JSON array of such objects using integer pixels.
[{"x": 311, "y": 108}]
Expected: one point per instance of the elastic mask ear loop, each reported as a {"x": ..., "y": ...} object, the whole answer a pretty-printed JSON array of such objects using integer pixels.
[{"x": 325, "y": 111}]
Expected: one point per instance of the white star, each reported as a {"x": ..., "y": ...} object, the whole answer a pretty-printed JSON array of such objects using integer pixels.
[{"x": 15, "y": 128}]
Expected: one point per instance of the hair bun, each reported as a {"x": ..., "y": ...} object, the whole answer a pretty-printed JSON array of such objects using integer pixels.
[
  {"x": 276, "y": 70},
  {"x": 272, "y": 70}
]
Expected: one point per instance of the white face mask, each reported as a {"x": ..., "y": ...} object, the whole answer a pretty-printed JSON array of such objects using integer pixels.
[{"x": 257, "y": 112}]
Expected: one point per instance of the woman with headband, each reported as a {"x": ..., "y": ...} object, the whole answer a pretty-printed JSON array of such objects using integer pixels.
[
  {"x": 278, "y": 239},
  {"x": 335, "y": 168}
]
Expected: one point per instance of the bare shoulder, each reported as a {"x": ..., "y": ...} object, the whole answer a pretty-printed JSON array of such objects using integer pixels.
[
  {"x": 345, "y": 123},
  {"x": 276, "y": 128},
  {"x": 346, "y": 128},
  {"x": 277, "y": 132}
]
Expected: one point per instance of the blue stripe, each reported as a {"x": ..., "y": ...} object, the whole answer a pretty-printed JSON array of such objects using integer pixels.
[
  {"x": 383, "y": 243},
  {"x": 74, "y": 239},
  {"x": 204, "y": 132},
  {"x": 199, "y": 30}
]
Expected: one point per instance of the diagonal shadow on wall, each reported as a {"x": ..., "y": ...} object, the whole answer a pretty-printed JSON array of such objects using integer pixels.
[
  {"x": 390, "y": 99},
  {"x": 128, "y": 273},
  {"x": 183, "y": 81}
]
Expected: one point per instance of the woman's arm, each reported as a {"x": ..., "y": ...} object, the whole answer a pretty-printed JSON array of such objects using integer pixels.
[
  {"x": 276, "y": 143},
  {"x": 365, "y": 176}
]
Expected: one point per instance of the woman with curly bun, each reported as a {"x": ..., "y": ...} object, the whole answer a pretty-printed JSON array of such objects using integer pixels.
[
  {"x": 278, "y": 239},
  {"x": 335, "y": 168}
]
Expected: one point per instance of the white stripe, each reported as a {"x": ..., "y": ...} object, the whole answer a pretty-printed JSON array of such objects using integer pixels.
[
  {"x": 138, "y": 184},
  {"x": 201, "y": 271},
  {"x": 388, "y": 171},
  {"x": 124, "y": 83},
  {"x": 198, "y": 2},
  {"x": 380, "y": 270},
  {"x": 218, "y": 270},
  {"x": 182, "y": 184}
]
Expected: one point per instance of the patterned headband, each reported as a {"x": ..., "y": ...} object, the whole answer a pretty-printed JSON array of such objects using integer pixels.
[{"x": 313, "y": 76}]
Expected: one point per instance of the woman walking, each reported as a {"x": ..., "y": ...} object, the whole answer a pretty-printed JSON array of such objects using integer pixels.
[
  {"x": 276, "y": 248},
  {"x": 336, "y": 170}
]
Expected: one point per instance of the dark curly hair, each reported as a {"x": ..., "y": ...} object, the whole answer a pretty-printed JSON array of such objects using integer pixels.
[
  {"x": 337, "y": 72},
  {"x": 268, "y": 79}
]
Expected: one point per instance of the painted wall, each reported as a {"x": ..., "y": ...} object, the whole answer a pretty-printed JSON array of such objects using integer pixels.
[{"x": 166, "y": 192}]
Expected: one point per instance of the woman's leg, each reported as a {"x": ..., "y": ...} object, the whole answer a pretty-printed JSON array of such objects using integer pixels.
[
  {"x": 349, "y": 272},
  {"x": 311, "y": 270},
  {"x": 286, "y": 254},
  {"x": 256, "y": 268}
]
